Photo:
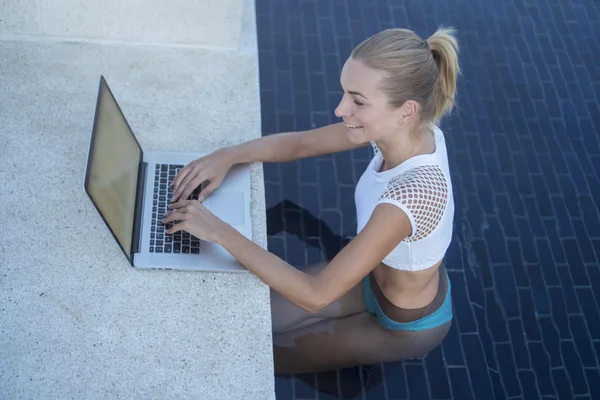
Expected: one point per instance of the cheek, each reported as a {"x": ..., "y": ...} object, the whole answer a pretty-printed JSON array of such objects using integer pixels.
[
  {"x": 376, "y": 125},
  {"x": 364, "y": 117},
  {"x": 369, "y": 119}
]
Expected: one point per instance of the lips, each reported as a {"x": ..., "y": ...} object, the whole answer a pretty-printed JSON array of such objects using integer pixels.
[{"x": 353, "y": 126}]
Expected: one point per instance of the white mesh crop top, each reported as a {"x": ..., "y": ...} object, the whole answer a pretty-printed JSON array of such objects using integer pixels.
[{"x": 422, "y": 188}]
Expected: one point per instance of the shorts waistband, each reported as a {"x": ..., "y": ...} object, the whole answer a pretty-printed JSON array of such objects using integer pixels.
[{"x": 439, "y": 317}]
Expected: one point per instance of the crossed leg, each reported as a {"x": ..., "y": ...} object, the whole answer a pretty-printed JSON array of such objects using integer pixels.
[
  {"x": 350, "y": 341},
  {"x": 342, "y": 335}
]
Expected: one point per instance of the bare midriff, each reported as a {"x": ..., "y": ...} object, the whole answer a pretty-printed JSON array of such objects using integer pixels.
[{"x": 409, "y": 290}]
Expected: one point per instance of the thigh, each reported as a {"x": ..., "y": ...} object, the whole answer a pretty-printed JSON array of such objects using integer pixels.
[
  {"x": 347, "y": 342},
  {"x": 285, "y": 315}
]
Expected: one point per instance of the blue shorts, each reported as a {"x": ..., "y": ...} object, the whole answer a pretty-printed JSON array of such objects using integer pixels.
[{"x": 433, "y": 320}]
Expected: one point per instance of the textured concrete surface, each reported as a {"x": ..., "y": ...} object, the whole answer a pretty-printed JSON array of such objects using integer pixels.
[
  {"x": 18, "y": 16},
  {"x": 215, "y": 23},
  {"x": 76, "y": 321}
]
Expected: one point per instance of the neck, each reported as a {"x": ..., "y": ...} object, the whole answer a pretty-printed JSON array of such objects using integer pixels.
[{"x": 401, "y": 146}]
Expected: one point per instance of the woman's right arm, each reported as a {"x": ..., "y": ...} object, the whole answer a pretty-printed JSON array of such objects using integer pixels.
[
  {"x": 280, "y": 147},
  {"x": 290, "y": 146}
]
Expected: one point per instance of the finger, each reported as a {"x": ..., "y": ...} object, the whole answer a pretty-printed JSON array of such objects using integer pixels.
[
  {"x": 192, "y": 182},
  {"x": 177, "y": 193},
  {"x": 192, "y": 186},
  {"x": 182, "y": 226},
  {"x": 174, "y": 228},
  {"x": 183, "y": 183},
  {"x": 172, "y": 216},
  {"x": 183, "y": 172},
  {"x": 181, "y": 204},
  {"x": 208, "y": 189}
]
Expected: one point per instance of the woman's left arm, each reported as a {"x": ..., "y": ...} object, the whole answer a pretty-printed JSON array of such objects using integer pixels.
[{"x": 387, "y": 226}]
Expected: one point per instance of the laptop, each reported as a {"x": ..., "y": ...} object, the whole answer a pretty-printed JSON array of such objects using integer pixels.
[{"x": 131, "y": 190}]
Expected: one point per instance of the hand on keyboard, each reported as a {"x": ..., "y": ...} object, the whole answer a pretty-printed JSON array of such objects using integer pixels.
[
  {"x": 192, "y": 217},
  {"x": 212, "y": 168},
  {"x": 160, "y": 241}
]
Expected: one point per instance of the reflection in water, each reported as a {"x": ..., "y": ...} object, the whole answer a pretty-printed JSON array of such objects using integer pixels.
[
  {"x": 313, "y": 232},
  {"x": 352, "y": 381}
]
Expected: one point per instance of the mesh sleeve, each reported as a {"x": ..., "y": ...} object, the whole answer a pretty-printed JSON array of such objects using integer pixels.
[
  {"x": 422, "y": 193},
  {"x": 375, "y": 148}
]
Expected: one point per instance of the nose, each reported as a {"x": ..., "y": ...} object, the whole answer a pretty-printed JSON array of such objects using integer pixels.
[{"x": 343, "y": 109}]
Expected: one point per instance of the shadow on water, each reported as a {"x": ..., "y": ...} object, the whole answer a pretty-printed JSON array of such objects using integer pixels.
[
  {"x": 348, "y": 383},
  {"x": 287, "y": 216}
]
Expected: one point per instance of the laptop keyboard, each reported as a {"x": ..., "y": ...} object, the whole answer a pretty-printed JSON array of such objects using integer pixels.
[{"x": 161, "y": 242}]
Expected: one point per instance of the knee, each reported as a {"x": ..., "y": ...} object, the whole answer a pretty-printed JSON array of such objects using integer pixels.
[{"x": 417, "y": 344}]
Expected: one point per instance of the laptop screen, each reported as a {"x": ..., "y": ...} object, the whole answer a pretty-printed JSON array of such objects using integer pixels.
[{"x": 113, "y": 168}]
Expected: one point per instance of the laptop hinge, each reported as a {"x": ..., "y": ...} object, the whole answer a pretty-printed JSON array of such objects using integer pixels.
[{"x": 139, "y": 208}]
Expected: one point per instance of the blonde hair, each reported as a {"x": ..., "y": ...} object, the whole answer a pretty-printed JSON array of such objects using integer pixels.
[{"x": 415, "y": 69}]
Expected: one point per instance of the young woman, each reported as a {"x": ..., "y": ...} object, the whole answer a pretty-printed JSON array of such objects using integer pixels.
[{"x": 386, "y": 295}]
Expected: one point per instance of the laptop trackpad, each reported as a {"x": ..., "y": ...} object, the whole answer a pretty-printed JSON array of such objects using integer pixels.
[{"x": 229, "y": 206}]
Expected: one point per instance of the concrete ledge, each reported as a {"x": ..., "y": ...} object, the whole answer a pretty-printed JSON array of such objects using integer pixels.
[
  {"x": 76, "y": 321},
  {"x": 214, "y": 23},
  {"x": 19, "y": 16}
]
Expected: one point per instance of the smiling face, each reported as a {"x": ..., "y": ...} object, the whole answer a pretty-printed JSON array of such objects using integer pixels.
[{"x": 365, "y": 108}]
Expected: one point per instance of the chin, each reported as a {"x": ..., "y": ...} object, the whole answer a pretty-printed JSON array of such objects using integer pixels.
[{"x": 357, "y": 136}]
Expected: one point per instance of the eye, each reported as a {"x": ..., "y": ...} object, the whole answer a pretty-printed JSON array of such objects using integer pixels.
[{"x": 358, "y": 103}]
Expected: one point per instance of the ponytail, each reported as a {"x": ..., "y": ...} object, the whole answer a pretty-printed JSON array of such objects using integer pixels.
[{"x": 444, "y": 48}]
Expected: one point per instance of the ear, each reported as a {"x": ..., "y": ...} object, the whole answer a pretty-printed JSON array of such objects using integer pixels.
[{"x": 408, "y": 111}]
